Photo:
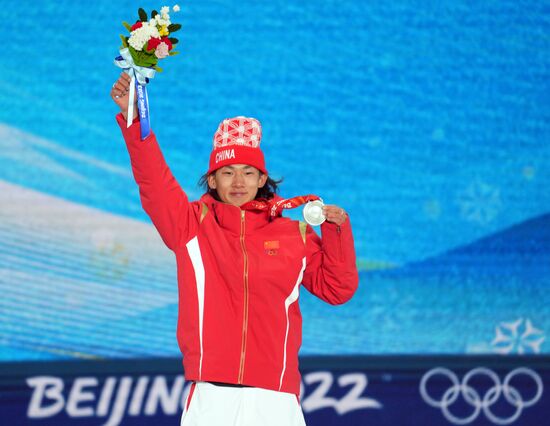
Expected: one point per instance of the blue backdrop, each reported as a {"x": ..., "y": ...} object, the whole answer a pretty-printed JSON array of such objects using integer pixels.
[{"x": 427, "y": 121}]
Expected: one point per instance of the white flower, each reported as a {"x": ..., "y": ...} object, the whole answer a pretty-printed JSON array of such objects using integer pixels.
[
  {"x": 136, "y": 42},
  {"x": 151, "y": 30},
  {"x": 162, "y": 21},
  {"x": 176, "y": 8},
  {"x": 139, "y": 37},
  {"x": 164, "y": 10}
]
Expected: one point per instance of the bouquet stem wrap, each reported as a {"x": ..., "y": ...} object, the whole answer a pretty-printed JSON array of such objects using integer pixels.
[{"x": 140, "y": 77}]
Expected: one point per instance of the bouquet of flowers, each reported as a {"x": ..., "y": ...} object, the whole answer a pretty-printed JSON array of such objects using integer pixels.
[
  {"x": 149, "y": 42},
  {"x": 149, "y": 39}
]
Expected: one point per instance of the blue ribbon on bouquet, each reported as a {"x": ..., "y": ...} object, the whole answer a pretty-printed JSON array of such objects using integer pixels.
[{"x": 140, "y": 77}]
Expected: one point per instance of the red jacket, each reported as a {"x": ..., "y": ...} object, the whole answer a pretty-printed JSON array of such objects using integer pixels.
[{"x": 239, "y": 275}]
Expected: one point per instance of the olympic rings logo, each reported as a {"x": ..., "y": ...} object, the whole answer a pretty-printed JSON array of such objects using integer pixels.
[{"x": 477, "y": 401}]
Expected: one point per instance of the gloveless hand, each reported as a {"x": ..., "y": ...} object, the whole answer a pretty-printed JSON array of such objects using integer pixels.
[
  {"x": 120, "y": 94},
  {"x": 335, "y": 214}
]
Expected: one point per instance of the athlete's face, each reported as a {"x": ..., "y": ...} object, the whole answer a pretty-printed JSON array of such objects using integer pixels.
[{"x": 237, "y": 184}]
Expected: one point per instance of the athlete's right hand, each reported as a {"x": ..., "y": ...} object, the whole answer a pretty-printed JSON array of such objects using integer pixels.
[{"x": 120, "y": 94}]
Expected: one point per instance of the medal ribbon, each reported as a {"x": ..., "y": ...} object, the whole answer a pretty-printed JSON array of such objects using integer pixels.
[{"x": 275, "y": 207}]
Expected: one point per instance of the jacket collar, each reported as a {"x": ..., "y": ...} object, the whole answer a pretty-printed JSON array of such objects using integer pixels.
[{"x": 229, "y": 216}]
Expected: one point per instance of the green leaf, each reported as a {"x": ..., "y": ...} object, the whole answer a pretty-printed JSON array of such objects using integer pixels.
[
  {"x": 124, "y": 41},
  {"x": 173, "y": 40},
  {"x": 142, "y": 59},
  {"x": 154, "y": 13},
  {"x": 173, "y": 27},
  {"x": 127, "y": 26},
  {"x": 142, "y": 15},
  {"x": 174, "y": 53},
  {"x": 149, "y": 60},
  {"x": 158, "y": 69}
]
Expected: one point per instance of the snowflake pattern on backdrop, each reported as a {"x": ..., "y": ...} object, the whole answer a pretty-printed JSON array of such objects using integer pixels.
[
  {"x": 480, "y": 202},
  {"x": 519, "y": 336}
]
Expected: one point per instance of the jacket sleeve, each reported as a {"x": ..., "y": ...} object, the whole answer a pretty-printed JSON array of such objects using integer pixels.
[
  {"x": 161, "y": 196},
  {"x": 331, "y": 271}
]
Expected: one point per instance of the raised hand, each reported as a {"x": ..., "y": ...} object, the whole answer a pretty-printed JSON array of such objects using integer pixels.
[{"x": 120, "y": 94}]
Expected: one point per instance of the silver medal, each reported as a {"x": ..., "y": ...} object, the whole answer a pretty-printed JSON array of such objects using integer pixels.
[{"x": 313, "y": 212}]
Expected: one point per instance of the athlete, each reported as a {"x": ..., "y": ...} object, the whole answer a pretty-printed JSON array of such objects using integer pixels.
[{"x": 240, "y": 265}]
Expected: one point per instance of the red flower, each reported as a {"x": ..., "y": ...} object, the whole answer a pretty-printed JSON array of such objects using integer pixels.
[
  {"x": 137, "y": 25},
  {"x": 153, "y": 43},
  {"x": 167, "y": 41}
]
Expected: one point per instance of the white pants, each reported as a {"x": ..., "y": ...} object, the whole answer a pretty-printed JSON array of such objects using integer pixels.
[{"x": 212, "y": 405}]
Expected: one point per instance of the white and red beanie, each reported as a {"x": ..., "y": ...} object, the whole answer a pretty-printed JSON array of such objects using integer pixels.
[{"x": 237, "y": 141}]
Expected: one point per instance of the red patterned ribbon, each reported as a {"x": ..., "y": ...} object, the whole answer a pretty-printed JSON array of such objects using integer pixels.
[{"x": 276, "y": 206}]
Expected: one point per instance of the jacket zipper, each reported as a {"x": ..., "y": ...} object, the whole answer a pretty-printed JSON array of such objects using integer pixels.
[
  {"x": 245, "y": 315},
  {"x": 340, "y": 254}
]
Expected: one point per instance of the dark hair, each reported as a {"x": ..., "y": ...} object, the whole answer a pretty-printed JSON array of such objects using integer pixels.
[{"x": 267, "y": 191}]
